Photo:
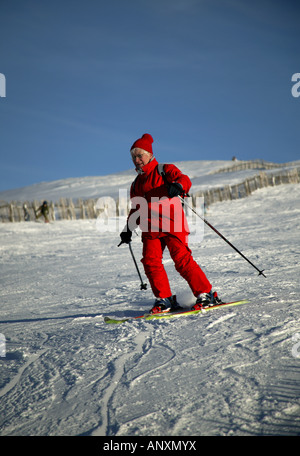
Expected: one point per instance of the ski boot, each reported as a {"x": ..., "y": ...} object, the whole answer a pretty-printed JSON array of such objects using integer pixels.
[
  {"x": 175, "y": 307},
  {"x": 162, "y": 305},
  {"x": 205, "y": 300}
]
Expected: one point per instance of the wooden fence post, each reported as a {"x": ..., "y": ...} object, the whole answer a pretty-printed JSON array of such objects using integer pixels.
[{"x": 11, "y": 212}]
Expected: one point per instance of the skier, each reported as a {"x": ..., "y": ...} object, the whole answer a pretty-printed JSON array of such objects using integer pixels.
[
  {"x": 43, "y": 210},
  {"x": 162, "y": 220}
]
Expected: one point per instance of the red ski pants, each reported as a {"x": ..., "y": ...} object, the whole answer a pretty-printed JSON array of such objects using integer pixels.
[{"x": 184, "y": 264}]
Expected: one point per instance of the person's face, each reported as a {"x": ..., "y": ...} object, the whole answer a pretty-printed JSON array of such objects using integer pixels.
[{"x": 140, "y": 157}]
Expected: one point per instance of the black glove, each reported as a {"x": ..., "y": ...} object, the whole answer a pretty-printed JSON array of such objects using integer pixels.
[
  {"x": 175, "y": 189},
  {"x": 125, "y": 236}
]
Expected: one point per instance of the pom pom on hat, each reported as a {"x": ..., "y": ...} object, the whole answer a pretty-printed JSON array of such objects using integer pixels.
[{"x": 145, "y": 143}]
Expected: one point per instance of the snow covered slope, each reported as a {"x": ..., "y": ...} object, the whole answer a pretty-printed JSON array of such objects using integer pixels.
[
  {"x": 229, "y": 372},
  {"x": 98, "y": 186}
]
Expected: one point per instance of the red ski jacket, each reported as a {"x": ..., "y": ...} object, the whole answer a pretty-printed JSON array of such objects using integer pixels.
[{"x": 152, "y": 209}]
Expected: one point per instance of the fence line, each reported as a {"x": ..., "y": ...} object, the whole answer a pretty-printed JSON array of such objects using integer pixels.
[
  {"x": 253, "y": 164},
  {"x": 249, "y": 185},
  {"x": 67, "y": 209}
]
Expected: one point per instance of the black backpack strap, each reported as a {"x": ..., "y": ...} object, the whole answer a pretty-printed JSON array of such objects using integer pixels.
[
  {"x": 161, "y": 172},
  {"x": 160, "y": 168}
]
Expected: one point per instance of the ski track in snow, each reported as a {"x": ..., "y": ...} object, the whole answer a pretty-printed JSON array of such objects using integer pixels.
[
  {"x": 119, "y": 372},
  {"x": 227, "y": 372},
  {"x": 16, "y": 379}
]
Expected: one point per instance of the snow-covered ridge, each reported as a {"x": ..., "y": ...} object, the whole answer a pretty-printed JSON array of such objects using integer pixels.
[{"x": 200, "y": 173}]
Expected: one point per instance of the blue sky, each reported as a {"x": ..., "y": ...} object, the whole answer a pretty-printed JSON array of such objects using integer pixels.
[{"x": 208, "y": 79}]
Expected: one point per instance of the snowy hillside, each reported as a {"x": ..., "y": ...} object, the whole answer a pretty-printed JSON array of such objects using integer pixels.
[
  {"x": 234, "y": 371},
  {"x": 97, "y": 186},
  {"x": 200, "y": 173}
]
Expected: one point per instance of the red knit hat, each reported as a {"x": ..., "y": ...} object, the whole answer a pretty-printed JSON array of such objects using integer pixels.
[{"x": 145, "y": 143}]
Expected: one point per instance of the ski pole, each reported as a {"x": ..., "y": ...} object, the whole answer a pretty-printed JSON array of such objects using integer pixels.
[
  {"x": 261, "y": 272},
  {"x": 143, "y": 285}
]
